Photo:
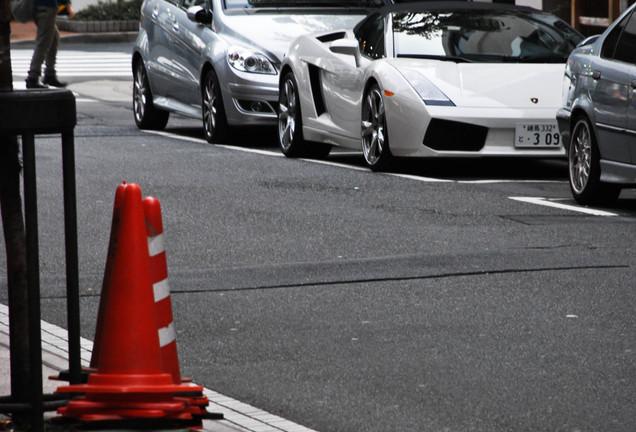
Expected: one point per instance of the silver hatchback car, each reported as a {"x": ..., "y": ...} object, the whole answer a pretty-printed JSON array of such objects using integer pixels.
[
  {"x": 598, "y": 118},
  {"x": 218, "y": 60}
]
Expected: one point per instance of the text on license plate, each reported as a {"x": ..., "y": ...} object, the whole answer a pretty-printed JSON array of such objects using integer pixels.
[{"x": 537, "y": 135}]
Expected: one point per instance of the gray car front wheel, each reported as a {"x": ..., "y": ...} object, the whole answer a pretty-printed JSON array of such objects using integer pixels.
[
  {"x": 215, "y": 124},
  {"x": 584, "y": 167}
]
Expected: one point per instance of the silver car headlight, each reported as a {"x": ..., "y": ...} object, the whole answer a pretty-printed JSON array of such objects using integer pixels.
[
  {"x": 430, "y": 94},
  {"x": 246, "y": 60}
]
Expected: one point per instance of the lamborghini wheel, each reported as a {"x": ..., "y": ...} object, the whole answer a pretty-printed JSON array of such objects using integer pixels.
[
  {"x": 375, "y": 138},
  {"x": 290, "y": 127}
]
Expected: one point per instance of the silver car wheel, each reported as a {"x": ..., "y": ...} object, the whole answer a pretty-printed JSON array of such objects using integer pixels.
[
  {"x": 580, "y": 156},
  {"x": 144, "y": 111},
  {"x": 287, "y": 116},
  {"x": 374, "y": 131},
  {"x": 584, "y": 167},
  {"x": 215, "y": 124},
  {"x": 139, "y": 93},
  {"x": 290, "y": 124},
  {"x": 209, "y": 106}
]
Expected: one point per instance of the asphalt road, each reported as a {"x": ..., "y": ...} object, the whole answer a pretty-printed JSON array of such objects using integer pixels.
[{"x": 344, "y": 300}]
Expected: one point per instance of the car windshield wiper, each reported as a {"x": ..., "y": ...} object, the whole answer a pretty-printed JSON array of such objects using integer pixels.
[{"x": 456, "y": 59}]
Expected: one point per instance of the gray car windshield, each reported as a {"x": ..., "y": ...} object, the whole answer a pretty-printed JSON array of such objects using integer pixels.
[
  {"x": 256, "y": 4},
  {"x": 483, "y": 36}
]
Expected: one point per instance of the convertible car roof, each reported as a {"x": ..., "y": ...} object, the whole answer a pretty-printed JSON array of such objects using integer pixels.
[{"x": 438, "y": 5}]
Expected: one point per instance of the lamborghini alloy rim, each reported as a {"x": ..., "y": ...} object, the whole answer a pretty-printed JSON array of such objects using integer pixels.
[{"x": 373, "y": 137}]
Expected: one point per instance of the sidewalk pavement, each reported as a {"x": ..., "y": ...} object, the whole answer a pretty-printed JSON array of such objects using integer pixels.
[{"x": 25, "y": 32}]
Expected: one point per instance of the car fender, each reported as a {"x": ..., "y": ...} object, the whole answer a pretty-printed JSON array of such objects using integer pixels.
[
  {"x": 314, "y": 53},
  {"x": 406, "y": 115}
]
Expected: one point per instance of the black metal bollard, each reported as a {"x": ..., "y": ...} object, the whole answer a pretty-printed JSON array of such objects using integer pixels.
[{"x": 27, "y": 114}]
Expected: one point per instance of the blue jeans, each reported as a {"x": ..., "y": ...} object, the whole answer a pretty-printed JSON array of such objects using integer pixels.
[{"x": 46, "y": 42}]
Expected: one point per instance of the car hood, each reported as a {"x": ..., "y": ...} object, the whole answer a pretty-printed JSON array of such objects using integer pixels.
[
  {"x": 496, "y": 85},
  {"x": 272, "y": 33}
]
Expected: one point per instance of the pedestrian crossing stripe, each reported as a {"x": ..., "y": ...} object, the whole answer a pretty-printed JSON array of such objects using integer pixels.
[{"x": 78, "y": 63}]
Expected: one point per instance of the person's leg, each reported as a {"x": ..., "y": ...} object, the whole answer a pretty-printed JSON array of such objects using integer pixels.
[
  {"x": 45, "y": 18},
  {"x": 50, "y": 75}
]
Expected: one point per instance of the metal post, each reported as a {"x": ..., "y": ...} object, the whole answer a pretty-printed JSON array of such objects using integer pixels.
[
  {"x": 72, "y": 273},
  {"x": 33, "y": 282},
  {"x": 28, "y": 113}
]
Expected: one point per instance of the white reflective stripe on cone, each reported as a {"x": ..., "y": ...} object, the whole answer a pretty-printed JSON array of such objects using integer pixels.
[
  {"x": 155, "y": 245},
  {"x": 167, "y": 335},
  {"x": 161, "y": 290}
]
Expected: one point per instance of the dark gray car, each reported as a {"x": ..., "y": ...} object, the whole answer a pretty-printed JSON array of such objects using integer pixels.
[{"x": 598, "y": 118}]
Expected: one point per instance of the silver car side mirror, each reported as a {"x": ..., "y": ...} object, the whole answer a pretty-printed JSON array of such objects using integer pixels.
[
  {"x": 589, "y": 40},
  {"x": 199, "y": 15},
  {"x": 347, "y": 47}
]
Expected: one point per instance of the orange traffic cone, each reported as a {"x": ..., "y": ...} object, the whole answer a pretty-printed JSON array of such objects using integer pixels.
[
  {"x": 163, "y": 306},
  {"x": 130, "y": 382},
  {"x": 106, "y": 282},
  {"x": 161, "y": 288}
]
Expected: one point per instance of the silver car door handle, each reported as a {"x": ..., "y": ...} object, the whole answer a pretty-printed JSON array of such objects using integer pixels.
[
  {"x": 155, "y": 13},
  {"x": 175, "y": 25}
]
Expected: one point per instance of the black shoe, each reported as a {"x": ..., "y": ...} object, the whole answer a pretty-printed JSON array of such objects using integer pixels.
[
  {"x": 53, "y": 81},
  {"x": 34, "y": 83}
]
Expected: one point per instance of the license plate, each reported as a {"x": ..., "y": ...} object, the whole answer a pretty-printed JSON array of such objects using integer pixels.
[{"x": 537, "y": 135}]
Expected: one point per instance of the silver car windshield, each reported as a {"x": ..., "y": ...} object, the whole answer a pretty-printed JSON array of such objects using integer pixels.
[
  {"x": 256, "y": 4},
  {"x": 483, "y": 36}
]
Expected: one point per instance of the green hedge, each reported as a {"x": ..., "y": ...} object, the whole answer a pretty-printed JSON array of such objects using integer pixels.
[{"x": 110, "y": 11}]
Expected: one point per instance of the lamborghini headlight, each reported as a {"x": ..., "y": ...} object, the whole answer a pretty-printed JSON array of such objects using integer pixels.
[
  {"x": 430, "y": 94},
  {"x": 246, "y": 60}
]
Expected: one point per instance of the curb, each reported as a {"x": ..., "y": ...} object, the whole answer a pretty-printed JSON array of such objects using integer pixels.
[{"x": 97, "y": 26}]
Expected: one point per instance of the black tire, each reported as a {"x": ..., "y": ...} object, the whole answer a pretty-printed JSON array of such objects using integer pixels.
[
  {"x": 374, "y": 132},
  {"x": 215, "y": 126},
  {"x": 584, "y": 167},
  {"x": 290, "y": 128},
  {"x": 145, "y": 113}
]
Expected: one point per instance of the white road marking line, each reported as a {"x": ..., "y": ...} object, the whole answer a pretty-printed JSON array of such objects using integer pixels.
[
  {"x": 548, "y": 203},
  {"x": 493, "y": 181},
  {"x": 202, "y": 141},
  {"x": 422, "y": 179},
  {"x": 351, "y": 167},
  {"x": 336, "y": 164}
]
